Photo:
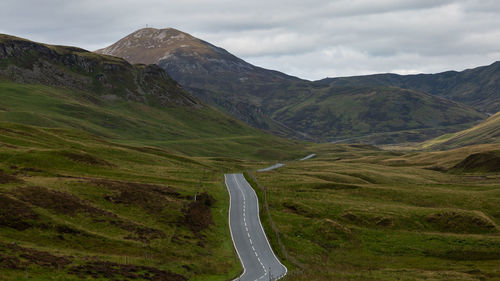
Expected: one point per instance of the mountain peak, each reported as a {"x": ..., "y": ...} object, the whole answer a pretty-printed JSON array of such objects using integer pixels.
[
  {"x": 159, "y": 35},
  {"x": 150, "y": 45}
]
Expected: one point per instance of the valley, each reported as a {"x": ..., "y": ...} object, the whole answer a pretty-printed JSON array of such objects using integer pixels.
[
  {"x": 111, "y": 170},
  {"x": 378, "y": 109}
]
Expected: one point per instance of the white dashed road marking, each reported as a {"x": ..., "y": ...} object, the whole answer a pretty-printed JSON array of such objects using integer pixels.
[{"x": 255, "y": 226}]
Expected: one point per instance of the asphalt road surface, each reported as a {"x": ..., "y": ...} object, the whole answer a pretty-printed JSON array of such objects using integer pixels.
[
  {"x": 257, "y": 258},
  {"x": 279, "y": 165},
  {"x": 307, "y": 157},
  {"x": 275, "y": 166}
]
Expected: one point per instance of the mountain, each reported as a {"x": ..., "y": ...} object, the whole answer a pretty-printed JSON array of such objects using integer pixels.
[
  {"x": 209, "y": 72},
  {"x": 478, "y": 87},
  {"x": 289, "y": 106},
  {"x": 57, "y": 86},
  {"x": 483, "y": 133}
]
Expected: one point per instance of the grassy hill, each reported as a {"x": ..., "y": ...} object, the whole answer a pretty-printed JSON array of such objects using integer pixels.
[
  {"x": 359, "y": 213},
  {"x": 55, "y": 86},
  {"x": 485, "y": 132}
]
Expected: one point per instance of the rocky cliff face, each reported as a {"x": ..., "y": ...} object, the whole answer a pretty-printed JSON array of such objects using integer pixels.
[{"x": 25, "y": 61}]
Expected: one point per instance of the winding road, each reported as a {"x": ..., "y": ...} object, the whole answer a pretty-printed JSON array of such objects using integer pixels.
[{"x": 257, "y": 258}]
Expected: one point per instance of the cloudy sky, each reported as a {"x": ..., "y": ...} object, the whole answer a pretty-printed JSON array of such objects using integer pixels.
[{"x": 311, "y": 39}]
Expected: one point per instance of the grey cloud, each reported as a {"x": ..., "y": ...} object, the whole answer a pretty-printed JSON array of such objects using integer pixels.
[{"x": 311, "y": 39}]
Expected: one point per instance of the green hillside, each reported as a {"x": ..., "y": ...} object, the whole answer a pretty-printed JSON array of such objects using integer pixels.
[
  {"x": 476, "y": 87},
  {"x": 375, "y": 114},
  {"x": 485, "y": 132},
  {"x": 378, "y": 114},
  {"x": 54, "y": 86}
]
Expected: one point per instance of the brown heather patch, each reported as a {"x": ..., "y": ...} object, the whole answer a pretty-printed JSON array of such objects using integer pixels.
[
  {"x": 10, "y": 262},
  {"x": 362, "y": 219},
  {"x": 460, "y": 222},
  {"x": 117, "y": 271},
  {"x": 6, "y": 178},
  {"x": 45, "y": 259},
  {"x": 198, "y": 215},
  {"x": 479, "y": 162},
  {"x": 330, "y": 234},
  {"x": 299, "y": 209},
  {"x": 15, "y": 214},
  {"x": 86, "y": 159},
  {"x": 65, "y": 203},
  {"x": 57, "y": 201},
  {"x": 17, "y": 257},
  {"x": 141, "y": 233},
  {"x": 148, "y": 196}
]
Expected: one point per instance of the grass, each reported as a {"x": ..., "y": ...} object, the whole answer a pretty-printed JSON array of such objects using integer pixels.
[
  {"x": 192, "y": 131},
  {"x": 75, "y": 200},
  {"x": 354, "y": 212},
  {"x": 360, "y": 213}
]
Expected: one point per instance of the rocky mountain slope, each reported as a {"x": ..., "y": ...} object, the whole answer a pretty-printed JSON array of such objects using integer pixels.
[
  {"x": 289, "y": 106},
  {"x": 24, "y": 61}
]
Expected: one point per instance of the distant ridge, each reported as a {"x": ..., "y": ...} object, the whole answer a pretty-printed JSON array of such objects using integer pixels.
[
  {"x": 326, "y": 110},
  {"x": 477, "y": 87}
]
